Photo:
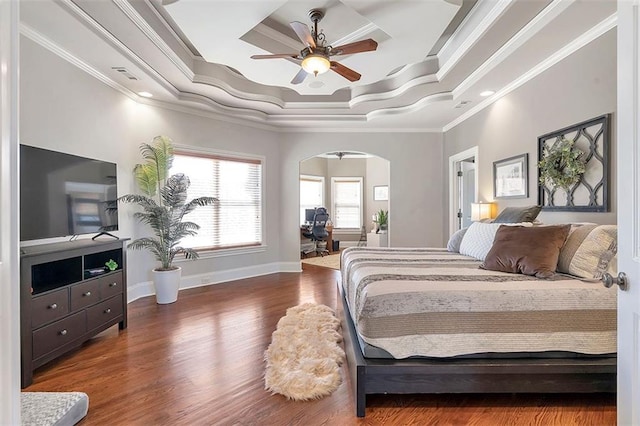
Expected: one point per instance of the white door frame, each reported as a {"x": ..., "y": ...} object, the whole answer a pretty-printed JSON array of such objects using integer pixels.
[
  {"x": 9, "y": 197},
  {"x": 628, "y": 181},
  {"x": 454, "y": 204}
]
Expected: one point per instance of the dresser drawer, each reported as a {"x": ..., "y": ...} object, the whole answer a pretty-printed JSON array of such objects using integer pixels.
[
  {"x": 110, "y": 285},
  {"x": 84, "y": 294},
  {"x": 49, "y": 307},
  {"x": 104, "y": 312},
  {"x": 53, "y": 336}
]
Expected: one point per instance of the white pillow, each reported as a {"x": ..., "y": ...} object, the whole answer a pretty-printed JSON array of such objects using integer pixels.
[{"x": 478, "y": 239}]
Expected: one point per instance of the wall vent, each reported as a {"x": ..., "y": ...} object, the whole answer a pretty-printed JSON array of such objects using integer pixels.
[{"x": 125, "y": 72}]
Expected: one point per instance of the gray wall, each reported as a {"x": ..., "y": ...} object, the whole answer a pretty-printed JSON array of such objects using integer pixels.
[
  {"x": 67, "y": 110},
  {"x": 578, "y": 88},
  {"x": 415, "y": 173}
]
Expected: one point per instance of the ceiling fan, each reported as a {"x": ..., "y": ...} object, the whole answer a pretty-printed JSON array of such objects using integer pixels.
[
  {"x": 341, "y": 154},
  {"x": 315, "y": 58}
]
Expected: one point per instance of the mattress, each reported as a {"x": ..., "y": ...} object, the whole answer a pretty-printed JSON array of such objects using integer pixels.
[{"x": 434, "y": 303}]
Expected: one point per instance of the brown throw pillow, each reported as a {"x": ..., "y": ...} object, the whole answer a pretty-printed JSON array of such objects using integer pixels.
[{"x": 528, "y": 251}]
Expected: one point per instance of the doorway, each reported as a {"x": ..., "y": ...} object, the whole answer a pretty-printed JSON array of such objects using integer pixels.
[
  {"x": 353, "y": 187},
  {"x": 463, "y": 188}
]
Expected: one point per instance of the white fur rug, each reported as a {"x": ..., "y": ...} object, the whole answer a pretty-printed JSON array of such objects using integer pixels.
[{"x": 304, "y": 358}]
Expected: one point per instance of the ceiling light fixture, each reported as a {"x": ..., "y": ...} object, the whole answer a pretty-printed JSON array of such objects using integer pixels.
[
  {"x": 316, "y": 64},
  {"x": 487, "y": 93},
  {"x": 145, "y": 94}
]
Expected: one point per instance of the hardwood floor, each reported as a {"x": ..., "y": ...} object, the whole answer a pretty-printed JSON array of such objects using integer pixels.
[{"x": 200, "y": 362}]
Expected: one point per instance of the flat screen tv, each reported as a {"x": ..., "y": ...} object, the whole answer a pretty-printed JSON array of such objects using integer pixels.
[{"x": 63, "y": 194}]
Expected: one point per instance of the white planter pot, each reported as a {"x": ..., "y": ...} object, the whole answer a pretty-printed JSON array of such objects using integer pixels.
[{"x": 167, "y": 284}]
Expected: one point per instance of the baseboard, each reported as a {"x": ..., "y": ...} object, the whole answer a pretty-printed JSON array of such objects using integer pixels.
[
  {"x": 345, "y": 244},
  {"x": 145, "y": 288}
]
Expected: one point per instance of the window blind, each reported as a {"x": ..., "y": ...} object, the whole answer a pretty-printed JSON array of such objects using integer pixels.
[
  {"x": 347, "y": 202},
  {"x": 311, "y": 194},
  {"x": 236, "y": 220}
]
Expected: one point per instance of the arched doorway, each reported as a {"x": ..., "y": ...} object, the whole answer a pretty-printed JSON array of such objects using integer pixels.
[{"x": 354, "y": 188}]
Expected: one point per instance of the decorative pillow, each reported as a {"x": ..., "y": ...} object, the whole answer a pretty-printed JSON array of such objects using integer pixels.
[
  {"x": 527, "y": 250},
  {"x": 590, "y": 251},
  {"x": 518, "y": 214},
  {"x": 478, "y": 239},
  {"x": 455, "y": 240}
]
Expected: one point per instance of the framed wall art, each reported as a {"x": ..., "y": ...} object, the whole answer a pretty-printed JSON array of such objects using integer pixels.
[
  {"x": 573, "y": 167},
  {"x": 511, "y": 177},
  {"x": 381, "y": 193}
]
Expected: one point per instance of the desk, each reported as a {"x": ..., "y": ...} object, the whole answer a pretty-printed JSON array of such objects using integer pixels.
[{"x": 329, "y": 229}]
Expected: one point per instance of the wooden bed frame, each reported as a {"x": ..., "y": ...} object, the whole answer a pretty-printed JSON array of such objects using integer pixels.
[{"x": 522, "y": 375}]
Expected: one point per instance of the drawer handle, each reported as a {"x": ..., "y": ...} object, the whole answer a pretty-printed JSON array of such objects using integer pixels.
[
  {"x": 113, "y": 284},
  {"x": 107, "y": 311},
  {"x": 53, "y": 306},
  {"x": 63, "y": 332},
  {"x": 87, "y": 294}
]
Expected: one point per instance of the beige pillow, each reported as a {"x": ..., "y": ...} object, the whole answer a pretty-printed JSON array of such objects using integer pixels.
[
  {"x": 590, "y": 251},
  {"x": 527, "y": 250}
]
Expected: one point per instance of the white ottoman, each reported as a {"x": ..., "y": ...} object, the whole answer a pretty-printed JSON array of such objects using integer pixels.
[{"x": 53, "y": 408}]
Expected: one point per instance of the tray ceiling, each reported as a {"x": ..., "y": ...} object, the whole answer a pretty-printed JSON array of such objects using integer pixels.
[{"x": 434, "y": 58}]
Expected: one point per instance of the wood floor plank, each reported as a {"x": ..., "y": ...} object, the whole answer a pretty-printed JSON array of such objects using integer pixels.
[{"x": 200, "y": 361}]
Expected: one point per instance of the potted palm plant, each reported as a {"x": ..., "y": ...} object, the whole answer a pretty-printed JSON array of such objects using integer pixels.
[
  {"x": 382, "y": 218},
  {"x": 164, "y": 204}
]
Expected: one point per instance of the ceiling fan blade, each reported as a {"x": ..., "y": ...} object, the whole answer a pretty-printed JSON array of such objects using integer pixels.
[
  {"x": 355, "y": 47},
  {"x": 299, "y": 78},
  {"x": 303, "y": 33},
  {"x": 346, "y": 72},
  {"x": 275, "y": 55}
]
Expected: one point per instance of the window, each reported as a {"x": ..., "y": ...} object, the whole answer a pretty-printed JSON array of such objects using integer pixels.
[
  {"x": 236, "y": 220},
  {"x": 346, "y": 195},
  {"x": 311, "y": 194}
]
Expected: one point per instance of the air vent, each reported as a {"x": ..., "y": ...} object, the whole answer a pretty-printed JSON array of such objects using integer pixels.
[
  {"x": 462, "y": 104},
  {"x": 125, "y": 72}
]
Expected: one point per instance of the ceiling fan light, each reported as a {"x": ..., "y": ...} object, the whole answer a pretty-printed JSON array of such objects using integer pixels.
[{"x": 316, "y": 64}]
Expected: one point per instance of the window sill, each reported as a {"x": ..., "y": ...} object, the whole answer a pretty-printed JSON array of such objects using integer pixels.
[{"x": 208, "y": 254}]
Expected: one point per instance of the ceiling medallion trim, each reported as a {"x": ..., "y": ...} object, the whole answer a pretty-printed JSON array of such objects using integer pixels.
[{"x": 594, "y": 33}]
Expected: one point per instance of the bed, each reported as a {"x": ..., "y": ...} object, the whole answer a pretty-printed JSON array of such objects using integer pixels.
[{"x": 432, "y": 321}]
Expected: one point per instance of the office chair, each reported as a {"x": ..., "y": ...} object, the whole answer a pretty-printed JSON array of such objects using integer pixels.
[{"x": 318, "y": 232}]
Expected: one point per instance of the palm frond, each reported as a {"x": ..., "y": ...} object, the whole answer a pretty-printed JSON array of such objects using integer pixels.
[
  {"x": 141, "y": 200},
  {"x": 174, "y": 193},
  {"x": 147, "y": 178}
]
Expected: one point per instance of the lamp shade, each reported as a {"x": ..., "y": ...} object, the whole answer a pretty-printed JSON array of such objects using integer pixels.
[
  {"x": 316, "y": 64},
  {"x": 481, "y": 211}
]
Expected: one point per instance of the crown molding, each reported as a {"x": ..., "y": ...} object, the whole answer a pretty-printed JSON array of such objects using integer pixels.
[
  {"x": 534, "y": 26},
  {"x": 121, "y": 47},
  {"x": 38, "y": 38},
  {"x": 459, "y": 44},
  {"x": 149, "y": 32},
  {"x": 586, "y": 38}
]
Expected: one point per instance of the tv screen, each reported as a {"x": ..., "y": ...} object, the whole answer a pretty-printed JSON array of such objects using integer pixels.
[{"x": 63, "y": 194}]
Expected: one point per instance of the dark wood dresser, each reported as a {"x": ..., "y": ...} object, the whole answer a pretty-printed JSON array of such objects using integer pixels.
[{"x": 67, "y": 296}]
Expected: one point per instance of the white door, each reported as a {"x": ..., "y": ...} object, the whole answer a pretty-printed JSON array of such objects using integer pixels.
[
  {"x": 628, "y": 178},
  {"x": 468, "y": 190},
  {"x": 462, "y": 189}
]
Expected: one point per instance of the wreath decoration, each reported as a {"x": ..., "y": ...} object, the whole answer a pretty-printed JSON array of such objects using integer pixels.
[{"x": 562, "y": 164}]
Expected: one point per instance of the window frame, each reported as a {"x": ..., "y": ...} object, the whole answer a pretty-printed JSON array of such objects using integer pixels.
[
  {"x": 212, "y": 251},
  {"x": 358, "y": 179}
]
